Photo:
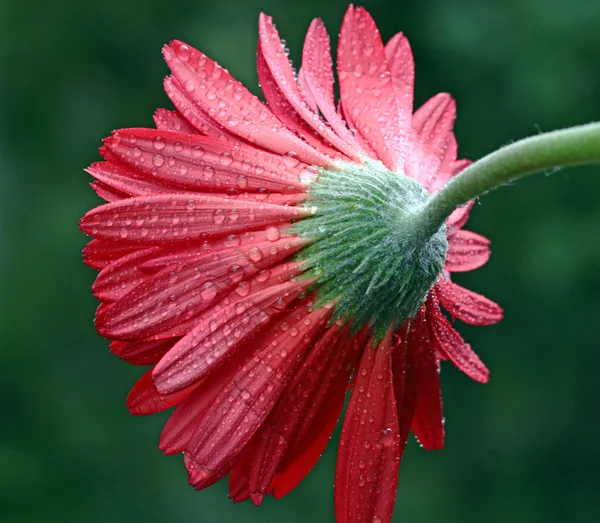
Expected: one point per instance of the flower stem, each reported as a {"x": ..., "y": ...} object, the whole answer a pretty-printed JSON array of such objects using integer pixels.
[{"x": 566, "y": 147}]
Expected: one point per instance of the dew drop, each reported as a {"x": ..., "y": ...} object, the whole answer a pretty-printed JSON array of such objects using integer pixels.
[
  {"x": 159, "y": 143},
  {"x": 183, "y": 52},
  {"x": 209, "y": 291},
  {"x": 273, "y": 234}
]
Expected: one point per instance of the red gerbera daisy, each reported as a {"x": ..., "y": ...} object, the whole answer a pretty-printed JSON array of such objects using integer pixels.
[{"x": 264, "y": 259}]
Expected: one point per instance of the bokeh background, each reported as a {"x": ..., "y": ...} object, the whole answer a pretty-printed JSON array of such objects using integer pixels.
[{"x": 522, "y": 449}]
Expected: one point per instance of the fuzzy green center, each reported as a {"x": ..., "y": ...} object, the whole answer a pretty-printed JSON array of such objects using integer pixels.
[{"x": 370, "y": 254}]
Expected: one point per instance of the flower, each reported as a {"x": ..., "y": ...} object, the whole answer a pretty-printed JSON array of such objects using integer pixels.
[{"x": 266, "y": 258}]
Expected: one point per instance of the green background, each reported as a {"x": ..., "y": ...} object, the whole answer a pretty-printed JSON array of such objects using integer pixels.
[{"x": 522, "y": 449}]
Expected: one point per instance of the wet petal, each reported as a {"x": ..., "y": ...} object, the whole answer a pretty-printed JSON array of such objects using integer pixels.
[
  {"x": 246, "y": 400},
  {"x": 451, "y": 345},
  {"x": 231, "y": 105},
  {"x": 200, "y": 163},
  {"x": 142, "y": 352},
  {"x": 467, "y": 305},
  {"x": 169, "y": 303},
  {"x": 467, "y": 251},
  {"x": 367, "y": 90},
  {"x": 369, "y": 453},
  {"x": 402, "y": 68},
  {"x": 144, "y": 399},
  {"x": 166, "y": 120},
  {"x": 176, "y": 218},
  {"x": 219, "y": 332}
]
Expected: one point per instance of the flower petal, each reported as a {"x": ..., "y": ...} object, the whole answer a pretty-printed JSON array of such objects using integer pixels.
[
  {"x": 404, "y": 386},
  {"x": 369, "y": 453},
  {"x": 317, "y": 69},
  {"x": 99, "y": 253},
  {"x": 367, "y": 90},
  {"x": 428, "y": 420},
  {"x": 169, "y": 303},
  {"x": 466, "y": 305},
  {"x": 231, "y": 105},
  {"x": 293, "y": 415},
  {"x": 166, "y": 120},
  {"x": 175, "y": 218},
  {"x": 141, "y": 352},
  {"x": 432, "y": 124},
  {"x": 201, "y": 163},
  {"x": 193, "y": 113},
  {"x": 283, "y": 75},
  {"x": 144, "y": 399},
  {"x": 451, "y": 345},
  {"x": 323, "y": 414},
  {"x": 402, "y": 68},
  {"x": 467, "y": 251},
  {"x": 284, "y": 109},
  {"x": 245, "y": 401},
  {"x": 219, "y": 332}
]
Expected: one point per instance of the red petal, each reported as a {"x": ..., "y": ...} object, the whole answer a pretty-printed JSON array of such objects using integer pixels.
[
  {"x": 404, "y": 386},
  {"x": 142, "y": 352},
  {"x": 318, "y": 423},
  {"x": 367, "y": 90},
  {"x": 459, "y": 216},
  {"x": 402, "y": 68},
  {"x": 466, "y": 305},
  {"x": 98, "y": 253},
  {"x": 428, "y": 420},
  {"x": 231, "y": 105},
  {"x": 452, "y": 346},
  {"x": 284, "y": 109},
  {"x": 169, "y": 302},
  {"x": 433, "y": 123},
  {"x": 144, "y": 399},
  {"x": 283, "y": 75},
  {"x": 193, "y": 113},
  {"x": 166, "y": 120},
  {"x": 200, "y": 163},
  {"x": 369, "y": 453},
  {"x": 173, "y": 218},
  {"x": 467, "y": 251},
  {"x": 306, "y": 92},
  {"x": 181, "y": 425},
  {"x": 284, "y": 426},
  {"x": 124, "y": 181},
  {"x": 118, "y": 278},
  {"x": 219, "y": 333},
  {"x": 246, "y": 400},
  {"x": 317, "y": 71},
  {"x": 106, "y": 192}
]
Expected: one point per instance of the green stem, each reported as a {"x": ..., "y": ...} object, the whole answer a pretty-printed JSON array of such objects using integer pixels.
[{"x": 566, "y": 147}]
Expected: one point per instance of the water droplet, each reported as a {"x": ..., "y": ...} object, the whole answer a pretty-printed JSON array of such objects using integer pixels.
[
  {"x": 243, "y": 288},
  {"x": 245, "y": 394},
  {"x": 158, "y": 160},
  {"x": 233, "y": 240},
  {"x": 255, "y": 254},
  {"x": 209, "y": 291},
  {"x": 225, "y": 159},
  {"x": 159, "y": 143},
  {"x": 198, "y": 151},
  {"x": 211, "y": 94},
  {"x": 183, "y": 52},
  {"x": 273, "y": 234},
  {"x": 189, "y": 86},
  {"x": 218, "y": 216}
]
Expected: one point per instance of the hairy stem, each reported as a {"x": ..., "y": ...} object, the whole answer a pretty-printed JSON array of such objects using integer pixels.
[{"x": 566, "y": 147}]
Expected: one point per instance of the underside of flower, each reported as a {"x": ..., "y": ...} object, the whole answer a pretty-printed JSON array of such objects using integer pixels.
[
  {"x": 369, "y": 256},
  {"x": 265, "y": 258}
]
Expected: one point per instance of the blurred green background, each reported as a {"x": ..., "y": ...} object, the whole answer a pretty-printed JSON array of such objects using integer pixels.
[{"x": 522, "y": 449}]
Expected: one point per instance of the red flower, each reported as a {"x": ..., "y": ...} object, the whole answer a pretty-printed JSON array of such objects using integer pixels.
[{"x": 263, "y": 259}]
